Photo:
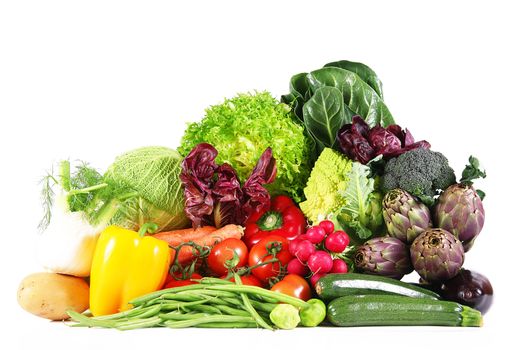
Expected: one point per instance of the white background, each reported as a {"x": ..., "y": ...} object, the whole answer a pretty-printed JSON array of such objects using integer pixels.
[{"x": 90, "y": 80}]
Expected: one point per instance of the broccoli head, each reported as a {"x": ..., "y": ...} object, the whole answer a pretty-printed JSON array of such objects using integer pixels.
[{"x": 421, "y": 172}]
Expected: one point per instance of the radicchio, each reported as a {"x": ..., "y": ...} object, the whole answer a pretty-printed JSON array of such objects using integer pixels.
[
  {"x": 213, "y": 194},
  {"x": 197, "y": 171},
  {"x": 363, "y": 144}
]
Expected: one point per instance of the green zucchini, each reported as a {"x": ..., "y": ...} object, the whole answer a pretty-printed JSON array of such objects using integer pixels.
[
  {"x": 334, "y": 286},
  {"x": 396, "y": 310}
]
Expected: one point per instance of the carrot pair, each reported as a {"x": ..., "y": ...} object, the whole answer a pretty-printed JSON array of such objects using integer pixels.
[{"x": 206, "y": 236}]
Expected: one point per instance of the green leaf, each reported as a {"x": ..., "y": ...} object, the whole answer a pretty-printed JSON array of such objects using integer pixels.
[
  {"x": 358, "y": 95},
  {"x": 358, "y": 198},
  {"x": 363, "y": 71},
  {"x": 472, "y": 171},
  {"x": 299, "y": 93},
  {"x": 481, "y": 194},
  {"x": 324, "y": 115}
]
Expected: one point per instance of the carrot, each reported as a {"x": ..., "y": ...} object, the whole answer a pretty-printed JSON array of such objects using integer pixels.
[
  {"x": 176, "y": 237},
  {"x": 207, "y": 236}
]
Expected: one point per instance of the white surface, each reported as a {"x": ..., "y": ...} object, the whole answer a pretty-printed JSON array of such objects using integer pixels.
[{"x": 90, "y": 80}]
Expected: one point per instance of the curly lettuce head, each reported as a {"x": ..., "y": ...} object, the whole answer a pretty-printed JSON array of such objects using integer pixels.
[{"x": 241, "y": 129}]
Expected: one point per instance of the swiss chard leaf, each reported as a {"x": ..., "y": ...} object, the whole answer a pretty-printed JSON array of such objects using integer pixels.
[
  {"x": 363, "y": 71},
  {"x": 299, "y": 93},
  {"x": 324, "y": 114},
  {"x": 358, "y": 95}
]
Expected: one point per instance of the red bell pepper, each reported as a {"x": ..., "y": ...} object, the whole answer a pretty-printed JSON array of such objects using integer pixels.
[{"x": 283, "y": 218}]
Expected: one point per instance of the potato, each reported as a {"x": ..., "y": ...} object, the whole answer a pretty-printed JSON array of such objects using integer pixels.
[{"x": 50, "y": 295}]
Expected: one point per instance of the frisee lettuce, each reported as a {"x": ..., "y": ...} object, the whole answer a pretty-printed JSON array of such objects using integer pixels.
[{"x": 241, "y": 129}]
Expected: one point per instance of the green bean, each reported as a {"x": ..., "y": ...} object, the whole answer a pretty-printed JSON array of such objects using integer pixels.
[
  {"x": 183, "y": 297},
  {"x": 178, "y": 305},
  {"x": 227, "y": 325},
  {"x": 208, "y": 309},
  {"x": 177, "y": 316},
  {"x": 234, "y": 301},
  {"x": 213, "y": 280},
  {"x": 139, "y": 323},
  {"x": 208, "y": 319},
  {"x": 279, "y": 297},
  {"x": 267, "y": 307},
  {"x": 128, "y": 313},
  {"x": 89, "y": 321},
  {"x": 248, "y": 306},
  {"x": 145, "y": 298},
  {"x": 232, "y": 311},
  {"x": 266, "y": 299},
  {"x": 207, "y": 292}
]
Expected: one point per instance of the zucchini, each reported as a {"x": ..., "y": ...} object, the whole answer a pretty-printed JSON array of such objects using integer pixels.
[
  {"x": 396, "y": 310},
  {"x": 334, "y": 286}
]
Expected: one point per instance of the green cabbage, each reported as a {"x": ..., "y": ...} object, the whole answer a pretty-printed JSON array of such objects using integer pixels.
[
  {"x": 241, "y": 129},
  {"x": 147, "y": 181},
  {"x": 343, "y": 191}
]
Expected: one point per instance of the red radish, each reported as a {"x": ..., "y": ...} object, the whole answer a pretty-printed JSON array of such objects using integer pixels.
[
  {"x": 304, "y": 250},
  {"x": 337, "y": 242},
  {"x": 327, "y": 226},
  {"x": 292, "y": 247},
  {"x": 339, "y": 266},
  {"x": 315, "y": 234},
  {"x": 320, "y": 262},
  {"x": 296, "y": 267},
  {"x": 315, "y": 277}
]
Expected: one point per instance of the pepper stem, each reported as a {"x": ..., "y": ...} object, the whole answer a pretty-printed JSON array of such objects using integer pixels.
[
  {"x": 149, "y": 227},
  {"x": 271, "y": 220}
]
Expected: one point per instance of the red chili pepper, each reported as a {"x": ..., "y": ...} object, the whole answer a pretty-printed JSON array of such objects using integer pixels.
[{"x": 283, "y": 218}]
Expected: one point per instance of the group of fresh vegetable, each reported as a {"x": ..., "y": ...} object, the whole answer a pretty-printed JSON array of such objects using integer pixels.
[{"x": 270, "y": 215}]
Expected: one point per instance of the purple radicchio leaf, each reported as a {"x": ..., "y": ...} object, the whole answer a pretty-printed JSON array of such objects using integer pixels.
[
  {"x": 383, "y": 141},
  {"x": 228, "y": 197},
  {"x": 197, "y": 172},
  {"x": 419, "y": 144},
  {"x": 256, "y": 197},
  {"x": 359, "y": 126},
  {"x": 353, "y": 144}
]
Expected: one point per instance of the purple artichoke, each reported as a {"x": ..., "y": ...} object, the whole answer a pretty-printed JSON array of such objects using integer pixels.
[
  {"x": 405, "y": 217},
  {"x": 385, "y": 256},
  {"x": 460, "y": 211},
  {"x": 437, "y": 255}
]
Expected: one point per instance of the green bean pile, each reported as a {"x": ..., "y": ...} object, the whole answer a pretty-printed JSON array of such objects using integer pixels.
[{"x": 213, "y": 303}]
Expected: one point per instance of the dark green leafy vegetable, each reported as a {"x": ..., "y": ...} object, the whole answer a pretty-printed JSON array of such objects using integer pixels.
[
  {"x": 363, "y": 71},
  {"x": 312, "y": 101},
  {"x": 324, "y": 114}
]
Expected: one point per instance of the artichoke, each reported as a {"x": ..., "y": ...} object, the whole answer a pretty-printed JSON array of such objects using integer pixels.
[
  {"x": 460, "y": 211},
  {"x": 437, "y": 255},
  {"x": 385, "y": 256},
  {"x": 405, "y": 217}
]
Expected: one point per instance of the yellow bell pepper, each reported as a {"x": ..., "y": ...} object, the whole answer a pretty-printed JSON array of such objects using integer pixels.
[{"x": 126, "y": 265}]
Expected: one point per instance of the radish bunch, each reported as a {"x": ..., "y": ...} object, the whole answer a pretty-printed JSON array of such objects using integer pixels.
[{"x": 312, "y": 252}]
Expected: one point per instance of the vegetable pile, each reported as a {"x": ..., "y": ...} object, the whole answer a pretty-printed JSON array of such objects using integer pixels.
[{"x": 269, "y": 214}]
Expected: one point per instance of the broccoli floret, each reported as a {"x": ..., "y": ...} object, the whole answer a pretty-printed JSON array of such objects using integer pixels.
[{"x": 422, "y": 172}]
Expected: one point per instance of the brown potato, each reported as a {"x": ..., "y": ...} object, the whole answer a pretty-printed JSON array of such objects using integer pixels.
[{"x": 50, "y": 295}]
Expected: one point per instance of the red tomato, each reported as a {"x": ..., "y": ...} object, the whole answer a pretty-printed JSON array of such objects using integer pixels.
[
  {"x": 295, "y": 286},
  {"x": 260, "y": 253},
  {"x": 248, "y": 280},
  {"x": 223, "y": 252},
  {"x": 177, "y": 281}
]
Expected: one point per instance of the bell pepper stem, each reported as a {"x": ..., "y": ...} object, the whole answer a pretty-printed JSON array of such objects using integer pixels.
[{"x": 148, "y": 227}]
